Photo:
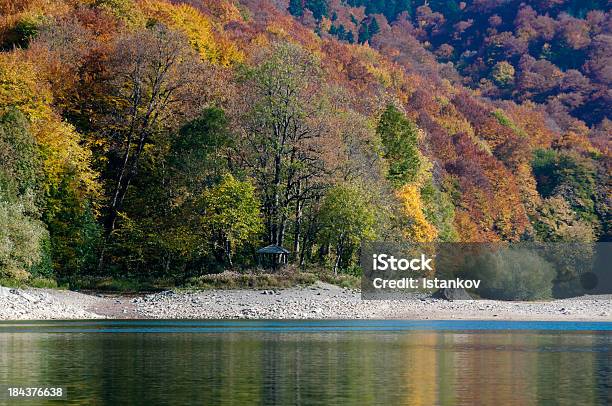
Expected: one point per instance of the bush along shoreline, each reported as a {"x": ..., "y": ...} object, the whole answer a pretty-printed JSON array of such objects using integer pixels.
[{"x": 255, "y": 279}]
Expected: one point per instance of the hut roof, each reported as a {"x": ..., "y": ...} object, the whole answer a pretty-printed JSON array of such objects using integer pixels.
[{"x": 272, "y": 249}]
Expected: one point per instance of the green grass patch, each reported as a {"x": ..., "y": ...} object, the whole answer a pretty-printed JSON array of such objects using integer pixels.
[
  {"x": 33, "y": 282},
  {"x": 342, "y": 280}
]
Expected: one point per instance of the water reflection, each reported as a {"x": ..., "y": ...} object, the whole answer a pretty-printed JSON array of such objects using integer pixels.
[{"x": 411, "y": 367}]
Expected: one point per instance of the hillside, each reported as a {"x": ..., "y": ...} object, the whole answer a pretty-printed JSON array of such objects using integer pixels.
[
  {"x": 155, "y": 137},
  {"x": 552, "y": 52}
]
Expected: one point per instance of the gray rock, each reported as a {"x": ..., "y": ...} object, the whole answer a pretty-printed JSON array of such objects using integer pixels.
[{"x": 452, "y": 294}]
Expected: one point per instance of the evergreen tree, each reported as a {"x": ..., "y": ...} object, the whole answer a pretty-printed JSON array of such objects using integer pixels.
[
  {"x": 364, "y": 33},
  {"x": 400, "y": 7},
  {"x": 319, "y": 8},
  {"x": 374, "y": 28},
  {"x": 349, "y": 37},
  {"x": 295, "y": 8}
]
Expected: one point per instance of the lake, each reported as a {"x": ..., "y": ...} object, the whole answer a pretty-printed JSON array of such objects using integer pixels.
[{"x": 311, "y": 362}]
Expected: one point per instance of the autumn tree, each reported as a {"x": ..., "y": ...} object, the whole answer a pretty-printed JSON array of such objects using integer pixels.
[
  {"x": 503, "y": 74},
  {"x": 23, "y": 235},
  {"x": 557, "y": 222},
  {"x": 153, "y": 82},
  {"x": 282, "y": 135},
  {"x": 160, "y": 229},
  {"x": 68, "y": 185}
]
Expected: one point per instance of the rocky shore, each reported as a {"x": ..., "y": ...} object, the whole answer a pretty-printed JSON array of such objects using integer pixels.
[{"x": 320, "y": 301}]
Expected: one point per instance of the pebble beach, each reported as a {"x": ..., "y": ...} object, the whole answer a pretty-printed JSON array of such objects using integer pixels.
[{"x": 319, "y": 301}]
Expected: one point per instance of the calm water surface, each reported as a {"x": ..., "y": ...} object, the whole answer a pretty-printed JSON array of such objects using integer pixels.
[{"x": 312, "y": 362}]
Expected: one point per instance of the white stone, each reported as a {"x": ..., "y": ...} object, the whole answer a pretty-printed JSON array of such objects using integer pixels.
[{"x": 5, "y": 292}]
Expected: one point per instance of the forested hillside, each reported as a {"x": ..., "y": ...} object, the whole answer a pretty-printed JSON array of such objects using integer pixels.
[
  {"x": 157, "y": 137},
  {"x": 552, "y": 52}
]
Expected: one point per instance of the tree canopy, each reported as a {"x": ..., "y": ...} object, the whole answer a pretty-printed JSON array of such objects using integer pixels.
[{"x": 157, "y": 138}]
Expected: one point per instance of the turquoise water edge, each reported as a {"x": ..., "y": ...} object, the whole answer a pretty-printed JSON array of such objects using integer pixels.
[{"x": 220, "y": 326}]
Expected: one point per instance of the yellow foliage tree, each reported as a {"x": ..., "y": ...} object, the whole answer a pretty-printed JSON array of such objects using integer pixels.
[
  {"x": 33, "y": 12},
  {"x": 198, "y": 28},
  {"x": 21, "y": 87},
  {"x": 418, "y": 229},
  {"x": 226, "y": 11}
]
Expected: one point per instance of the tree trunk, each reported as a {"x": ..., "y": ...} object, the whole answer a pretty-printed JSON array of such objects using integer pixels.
[
  {"x": 339, "y": 251},
  {"x": 276, "y": 198},
  {"x": 282, "y": 225},
  {"x": 297, "y": 228},
  {"x": 228, "y": 253},
  {"x": 337, "y": 261}
]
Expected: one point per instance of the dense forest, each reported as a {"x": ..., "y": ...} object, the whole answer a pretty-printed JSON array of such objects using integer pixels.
[
  {"x": 158, "y": 137},
  {"x": 552, "y": 52}
]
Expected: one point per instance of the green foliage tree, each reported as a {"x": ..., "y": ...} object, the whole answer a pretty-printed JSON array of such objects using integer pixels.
[
  {"x": 400, "y": 141},
  {"x": 364, "y": 33},
  {"x": 368, "y": 30},
  {"x": 347, "y": 218},
  {"x": 199, "y": 153},
  {"x": 230, "y": 216},
  {"x": 374, "y": 27},
  {"x": 503, "y": 74},
  {"x": 24, "y": 32},
  {"x": 439, "y": 210},
  {"x": 282, "y": 129},
  {"x": 22, "y": 237},
  {"x": 569, "y": 176},
  {"x": 21, "y": 169},
  {"x": 349, "y": 37},
  {"x": 75, "y": 233}
]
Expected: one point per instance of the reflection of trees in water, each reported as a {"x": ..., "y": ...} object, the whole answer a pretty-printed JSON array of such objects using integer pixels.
[
  {"x": 421, "y": 367},
  {"x": 413, "y": 368}
]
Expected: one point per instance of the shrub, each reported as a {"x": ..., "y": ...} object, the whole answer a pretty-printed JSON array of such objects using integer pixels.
[
  {"x": 512, "y": 274},
  {"x": 251, "y": 280},
  {"x": 125, "y": 284}
]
